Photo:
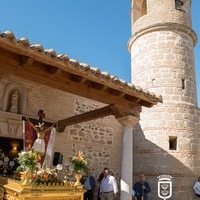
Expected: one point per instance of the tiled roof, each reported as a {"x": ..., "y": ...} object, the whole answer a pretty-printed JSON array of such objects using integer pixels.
[{"x": 63, "y": 62}]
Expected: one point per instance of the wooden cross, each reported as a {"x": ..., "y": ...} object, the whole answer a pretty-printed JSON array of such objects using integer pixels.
[{"x": 40, "y": 120}]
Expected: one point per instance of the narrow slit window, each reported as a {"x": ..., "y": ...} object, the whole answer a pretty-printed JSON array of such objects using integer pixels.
[
  {"x": 172, "y": 143},
  {"x": 179, "y": 5},
  {"x": 183, "y": 83},
  {"x": 153, "y": 82},
  {"x": 139, "y": 9}
]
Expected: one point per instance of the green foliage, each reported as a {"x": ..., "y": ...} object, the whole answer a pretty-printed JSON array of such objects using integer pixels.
[{"x": 28, "y": 160}]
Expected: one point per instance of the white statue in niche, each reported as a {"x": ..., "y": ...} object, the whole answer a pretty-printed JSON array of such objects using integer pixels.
[{"x": 14, "y": 102}]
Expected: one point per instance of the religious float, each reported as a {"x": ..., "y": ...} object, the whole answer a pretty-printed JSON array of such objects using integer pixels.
[{"x": 33, "y": 181}]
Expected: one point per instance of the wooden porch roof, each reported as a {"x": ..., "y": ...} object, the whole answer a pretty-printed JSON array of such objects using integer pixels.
[{"x": 34, "y": 63}]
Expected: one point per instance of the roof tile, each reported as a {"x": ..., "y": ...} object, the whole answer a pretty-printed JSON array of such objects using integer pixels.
[{"x": 38, "y": 48}]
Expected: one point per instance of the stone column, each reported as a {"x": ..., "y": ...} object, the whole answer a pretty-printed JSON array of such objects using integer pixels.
[{"x": 126, "y": 181}]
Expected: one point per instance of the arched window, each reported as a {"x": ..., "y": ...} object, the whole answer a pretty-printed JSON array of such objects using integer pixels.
[
  {"x": 179, "y": 5},
  {"x": 139, "y": 8}
]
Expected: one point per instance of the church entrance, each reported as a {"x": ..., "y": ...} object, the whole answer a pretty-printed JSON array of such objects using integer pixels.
[{"x": 9, "y": 149}]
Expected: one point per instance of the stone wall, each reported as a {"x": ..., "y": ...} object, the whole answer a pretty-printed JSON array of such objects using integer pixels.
[
  {"x": 162, "y": 56},
  {"x": 101, "y": 139},
  {"x": 161, "y": 12}
]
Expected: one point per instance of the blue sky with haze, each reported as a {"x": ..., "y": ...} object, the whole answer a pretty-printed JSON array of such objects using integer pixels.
[{"x": 90, "y": 31}]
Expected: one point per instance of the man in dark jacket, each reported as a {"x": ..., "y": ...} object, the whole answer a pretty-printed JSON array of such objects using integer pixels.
[
  {"x": 141, "y": 189},
  {"x": 89, "y": 183}
]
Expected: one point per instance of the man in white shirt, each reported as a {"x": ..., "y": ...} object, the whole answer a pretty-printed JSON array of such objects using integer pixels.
[
  {"x": 197, "y": 187},
  {"x": 108, "y": 187}
]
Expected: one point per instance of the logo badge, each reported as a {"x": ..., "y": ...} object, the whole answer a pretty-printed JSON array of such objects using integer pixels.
[{"x": 164, "y": 186}]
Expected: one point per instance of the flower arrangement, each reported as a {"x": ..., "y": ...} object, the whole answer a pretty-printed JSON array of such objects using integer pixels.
[
  {"x": 32, "y": 171},
  {"x": 78, "y": 162},
  {"x": 28, "y": 160},
  {"x": 45, "y": 175}
]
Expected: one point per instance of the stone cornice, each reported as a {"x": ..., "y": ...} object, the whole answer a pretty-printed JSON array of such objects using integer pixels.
[{"x": 168, "y": 26}]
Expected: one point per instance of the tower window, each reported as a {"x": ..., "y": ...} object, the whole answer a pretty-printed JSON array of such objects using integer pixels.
[
  {"x": 153, "y": 82},
  {"x": 179, "y": 5},
  {"x": 183, "y": 83},
  {"x": 139, "y": 8},
  {"x": 172, "y": 143}
]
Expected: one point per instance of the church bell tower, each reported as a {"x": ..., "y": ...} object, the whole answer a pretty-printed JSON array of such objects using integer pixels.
[{"x": 166, "y": 141}]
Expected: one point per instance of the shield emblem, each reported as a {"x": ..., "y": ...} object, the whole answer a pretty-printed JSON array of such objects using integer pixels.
[{"x": 164, "y": 188}]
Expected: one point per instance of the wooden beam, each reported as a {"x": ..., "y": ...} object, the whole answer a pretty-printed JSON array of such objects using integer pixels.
[
  {"x": 25, "y": 60},
  {"x": 69, "y": 80},
  {"x": 91, "y": 115}
]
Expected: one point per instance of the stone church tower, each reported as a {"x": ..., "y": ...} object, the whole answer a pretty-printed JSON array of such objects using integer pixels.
[{"x": 162, "y": 55}]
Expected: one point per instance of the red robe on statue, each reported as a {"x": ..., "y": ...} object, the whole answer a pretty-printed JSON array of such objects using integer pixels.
[{"x": 31, "y": 136}]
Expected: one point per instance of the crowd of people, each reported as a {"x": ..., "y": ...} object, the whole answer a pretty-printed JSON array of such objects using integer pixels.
[{"x": 108, "y": 189}]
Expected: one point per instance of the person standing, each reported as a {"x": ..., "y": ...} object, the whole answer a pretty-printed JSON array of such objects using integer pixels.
[
  {"x": 101, "y": 176},
  {"x": 108, "y": 187},
  {"x": 89, "y": 184},
  {"x": 196, "y": 187},
  {"x": 141, "y": 188}
]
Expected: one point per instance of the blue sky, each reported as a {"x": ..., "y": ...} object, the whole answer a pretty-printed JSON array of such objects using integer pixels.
[{"x": 90, "y": 31}]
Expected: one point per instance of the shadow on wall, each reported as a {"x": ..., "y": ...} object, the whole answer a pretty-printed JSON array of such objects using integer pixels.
[{"x": 152, "y": 160}]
